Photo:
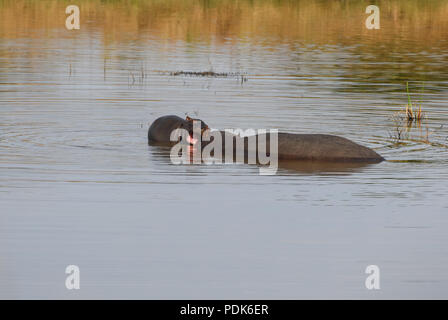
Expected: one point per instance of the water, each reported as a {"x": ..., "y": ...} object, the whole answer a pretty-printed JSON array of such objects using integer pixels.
[{"x": 80, "y": 185}]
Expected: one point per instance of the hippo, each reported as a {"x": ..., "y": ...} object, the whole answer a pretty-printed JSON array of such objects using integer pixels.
[{"x": 291, "y": 146}]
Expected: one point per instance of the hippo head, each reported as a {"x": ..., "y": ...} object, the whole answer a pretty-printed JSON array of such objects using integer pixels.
[{"x": 188, "y": 125}]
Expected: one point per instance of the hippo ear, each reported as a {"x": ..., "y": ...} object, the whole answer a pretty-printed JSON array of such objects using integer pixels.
[{"x": 188, "y": 118}]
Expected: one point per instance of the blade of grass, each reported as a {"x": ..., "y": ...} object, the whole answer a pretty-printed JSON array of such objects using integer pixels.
[{"x": 410, "y": 112}]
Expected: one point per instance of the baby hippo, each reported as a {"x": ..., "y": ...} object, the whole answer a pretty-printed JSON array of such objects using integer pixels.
[{"x": 160, "y": 130}]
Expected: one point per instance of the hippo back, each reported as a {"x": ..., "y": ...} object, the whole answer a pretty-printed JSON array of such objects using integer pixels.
[{"x": 323, "y": 147}]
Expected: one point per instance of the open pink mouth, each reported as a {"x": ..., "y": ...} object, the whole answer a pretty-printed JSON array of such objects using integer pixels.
[{"x": 191, "y": 140}]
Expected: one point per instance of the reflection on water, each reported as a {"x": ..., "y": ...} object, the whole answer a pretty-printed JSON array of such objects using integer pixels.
[
  {"x": 80, "y": 185},
  {"x": 321, "y": 167},
  {"x": 289, "y": 167}
]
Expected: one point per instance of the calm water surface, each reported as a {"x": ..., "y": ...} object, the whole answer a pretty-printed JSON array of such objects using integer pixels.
[{"x": 79, "y": 184}]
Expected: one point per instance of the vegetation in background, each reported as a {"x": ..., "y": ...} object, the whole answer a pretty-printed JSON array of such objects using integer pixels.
[
  {"x": 322, "y": 22},
  {"x": 411, "y": 116}
]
